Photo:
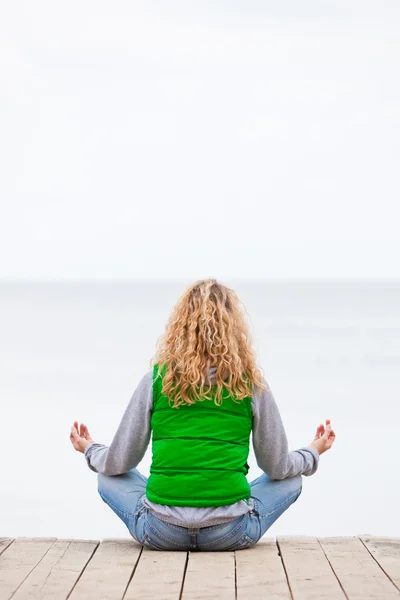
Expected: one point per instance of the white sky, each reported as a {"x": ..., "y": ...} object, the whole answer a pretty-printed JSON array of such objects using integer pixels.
[{"x": 189, "y": 139}]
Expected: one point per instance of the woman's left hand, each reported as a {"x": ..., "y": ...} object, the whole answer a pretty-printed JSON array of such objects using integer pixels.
[
  {"x": 324, "y": 438},
  {"x": 80, "y": 437}
]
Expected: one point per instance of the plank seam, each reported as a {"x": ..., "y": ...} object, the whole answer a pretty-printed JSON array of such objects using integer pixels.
[
  {"x": 284, "y": 568},
  {"x": 34, "y": 567},
  {"x": 55, "y": 564},
  {"x": 83, "y": 570},
  {"x": 5, "y": 547},
  {"x": 133, "y": 572},
  {"x": 333, "y": 570},
  {"x": 379, "y": 565},
  {"x": 236, "y": 594},
  {"x": 184, "y": 575}
]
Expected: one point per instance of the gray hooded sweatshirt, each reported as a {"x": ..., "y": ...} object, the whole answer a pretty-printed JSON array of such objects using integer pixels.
[{"x": 269, "y": 442}]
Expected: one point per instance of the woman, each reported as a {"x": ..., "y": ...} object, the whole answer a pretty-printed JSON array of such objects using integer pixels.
[{"x": 200, "y": 402}]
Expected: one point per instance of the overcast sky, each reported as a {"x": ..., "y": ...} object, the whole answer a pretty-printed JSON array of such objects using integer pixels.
[{"x": 148, "y": 138}]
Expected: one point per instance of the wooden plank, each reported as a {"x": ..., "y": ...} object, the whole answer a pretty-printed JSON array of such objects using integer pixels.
[
  {"x": 108, "y": 573},
  {"x": 386, "y": 551},
  {"x": 359, "y": 574},
  {"x": 210, "y": 575},
  {"x": 309, "y": 573},
  {"x": 18, "y": 561},
  {"x": 4, "y": 543},
  {"x": 56, "y": 574},
  {"x": 158, "y": 575},
  {"x": 260, "y": 573}
]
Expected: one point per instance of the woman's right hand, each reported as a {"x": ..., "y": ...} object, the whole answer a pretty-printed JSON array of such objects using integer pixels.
[
  {"x": 80, "y": 437},
  {"x": 324, "y": 438}
]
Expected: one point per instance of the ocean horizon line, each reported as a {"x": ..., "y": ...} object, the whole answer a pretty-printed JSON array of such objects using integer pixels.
[{"x": 186, "y": 280}]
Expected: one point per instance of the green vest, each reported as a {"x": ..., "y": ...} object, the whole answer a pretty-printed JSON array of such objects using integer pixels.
[{"x": 200, "y": 451}]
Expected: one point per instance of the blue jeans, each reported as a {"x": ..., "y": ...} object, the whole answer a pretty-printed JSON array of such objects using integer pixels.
[{"x": 124, "y": 495}]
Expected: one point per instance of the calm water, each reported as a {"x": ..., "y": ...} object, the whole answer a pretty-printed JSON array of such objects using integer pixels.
[{"x": 77, "y": 350}]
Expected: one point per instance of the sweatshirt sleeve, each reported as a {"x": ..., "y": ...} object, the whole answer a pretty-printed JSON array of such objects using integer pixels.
[
  {"x": 270, "y": 442},
  {"x": 132, "y": 437}
]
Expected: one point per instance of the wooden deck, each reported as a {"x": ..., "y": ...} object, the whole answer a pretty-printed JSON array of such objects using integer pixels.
[{"x": 292, "y": 568}]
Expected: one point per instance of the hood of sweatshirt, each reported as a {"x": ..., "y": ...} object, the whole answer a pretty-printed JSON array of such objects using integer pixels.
[{"x": 212, "y": 372}]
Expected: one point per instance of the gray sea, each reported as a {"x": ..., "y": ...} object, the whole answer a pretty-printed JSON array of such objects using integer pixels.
[{"x": 76, "y": 351}]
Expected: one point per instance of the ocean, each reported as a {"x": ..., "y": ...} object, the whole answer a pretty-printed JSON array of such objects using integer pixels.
[{"x": 76, "y": 351}]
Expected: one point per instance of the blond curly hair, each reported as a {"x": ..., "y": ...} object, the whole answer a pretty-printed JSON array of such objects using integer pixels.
[{"x": 207, "y": 328}]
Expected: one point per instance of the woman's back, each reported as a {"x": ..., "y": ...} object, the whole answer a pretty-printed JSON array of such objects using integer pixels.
[{"x": 200, "y": 450}]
